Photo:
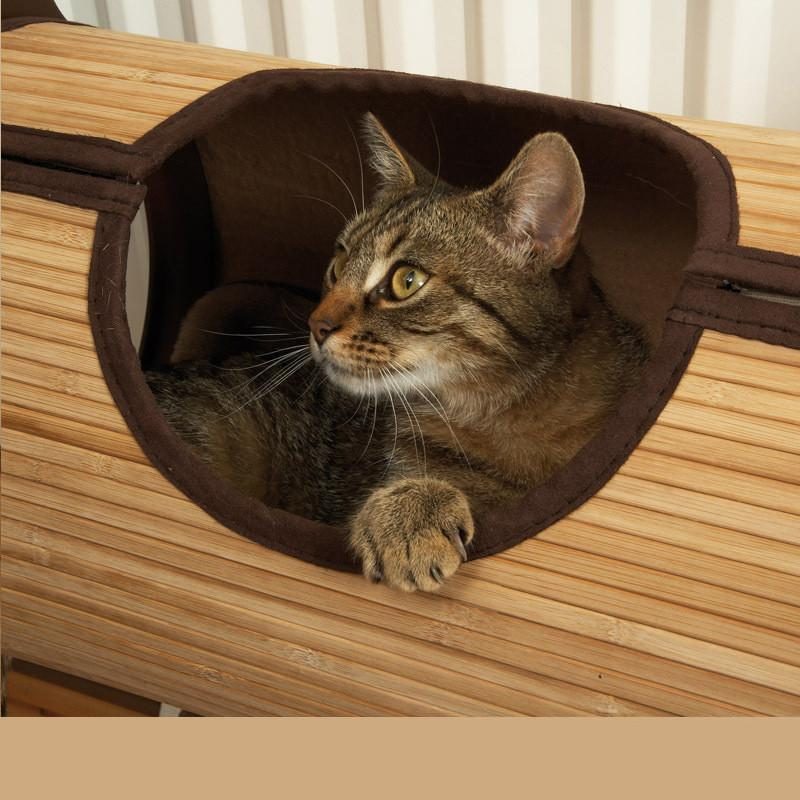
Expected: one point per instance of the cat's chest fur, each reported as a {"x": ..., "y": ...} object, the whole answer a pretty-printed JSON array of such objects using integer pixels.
[{"x": 520, "y": 443}]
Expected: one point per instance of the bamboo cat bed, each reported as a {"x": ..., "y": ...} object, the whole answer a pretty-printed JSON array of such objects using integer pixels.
[{"x": 674, "y": 590}]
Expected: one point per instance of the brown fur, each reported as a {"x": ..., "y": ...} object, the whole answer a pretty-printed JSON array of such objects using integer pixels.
[{"x": 476, "y": 387}]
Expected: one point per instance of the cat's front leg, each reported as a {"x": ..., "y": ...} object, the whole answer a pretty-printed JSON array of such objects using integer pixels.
[{"x": 413, "y": 533}]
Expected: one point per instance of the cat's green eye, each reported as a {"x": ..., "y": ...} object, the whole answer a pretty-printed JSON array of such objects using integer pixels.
[{"x": 406, "y": 280}]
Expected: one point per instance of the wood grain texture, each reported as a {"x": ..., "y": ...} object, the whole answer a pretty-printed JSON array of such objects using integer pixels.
[{"x": 676, "y": 590}]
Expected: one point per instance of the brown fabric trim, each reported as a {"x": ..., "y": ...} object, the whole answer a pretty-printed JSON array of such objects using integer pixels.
[
  {"x": 712, "y": 294},
  {"x": 750, "y": 267},
  {"x": 104, "y": 157},
  {"x": 84, "y": 191},
  {"x": 716, "y": 193},
  {"x": 704, "y": 302}
]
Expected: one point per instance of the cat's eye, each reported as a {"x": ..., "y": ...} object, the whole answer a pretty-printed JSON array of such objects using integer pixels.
[{"x": 406, "y": 280}]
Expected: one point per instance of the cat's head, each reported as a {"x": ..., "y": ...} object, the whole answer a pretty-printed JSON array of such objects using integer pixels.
[{"x": 442, "y": 287}]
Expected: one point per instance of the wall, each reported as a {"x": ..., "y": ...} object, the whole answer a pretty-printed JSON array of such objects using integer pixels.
[{"x": 732, "y": 60}]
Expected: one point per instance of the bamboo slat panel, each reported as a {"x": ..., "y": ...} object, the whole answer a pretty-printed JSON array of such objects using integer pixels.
[
  {"x": 676, "y": 590},
  {"x": 131, "y": 82}
]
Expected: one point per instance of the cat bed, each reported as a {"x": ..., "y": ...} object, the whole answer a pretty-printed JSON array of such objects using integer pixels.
[{"x": 246, "y": 182}]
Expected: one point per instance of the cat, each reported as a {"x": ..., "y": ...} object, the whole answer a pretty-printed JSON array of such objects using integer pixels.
[{"x": 461, "y": 338}]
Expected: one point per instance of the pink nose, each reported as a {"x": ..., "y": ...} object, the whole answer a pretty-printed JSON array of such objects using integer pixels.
[{"x": 321, "y": 328}]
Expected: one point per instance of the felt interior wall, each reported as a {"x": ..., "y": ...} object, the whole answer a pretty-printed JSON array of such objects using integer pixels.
[{"x": 277, "y": 204}]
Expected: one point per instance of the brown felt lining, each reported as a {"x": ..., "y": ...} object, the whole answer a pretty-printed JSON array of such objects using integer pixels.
[
  {"x": 695, "y": 192},
  {"x": 181, "y": 232}
]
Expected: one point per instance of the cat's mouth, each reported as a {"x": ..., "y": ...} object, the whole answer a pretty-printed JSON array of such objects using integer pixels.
[
  {"x": 374, "y": 378},
  {"x": 358, "y": 379},
  {"x": 352, "y": 372}
]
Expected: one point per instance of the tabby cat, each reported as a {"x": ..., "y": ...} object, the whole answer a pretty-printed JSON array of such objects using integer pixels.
[{"x": 466, "y": 353}]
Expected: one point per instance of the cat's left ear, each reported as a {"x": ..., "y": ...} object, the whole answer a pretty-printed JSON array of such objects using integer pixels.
[
  {"x": 396, "y": 170},
  {"x": 540, "y": 197}
]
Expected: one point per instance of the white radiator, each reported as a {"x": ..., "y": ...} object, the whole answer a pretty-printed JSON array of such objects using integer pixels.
[{"x": 732, "y": 60}]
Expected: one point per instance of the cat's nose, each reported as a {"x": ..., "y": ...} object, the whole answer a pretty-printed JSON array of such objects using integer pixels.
[{"x": 321, "y": 328}]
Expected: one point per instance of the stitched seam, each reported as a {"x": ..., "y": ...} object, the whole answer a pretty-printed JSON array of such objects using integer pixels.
[
  {"x": 745, "y": 257},
  {"x": 735, "y": 320},
  {"x": 79, "y": 200},
  {"x": 77, "y": 138}
]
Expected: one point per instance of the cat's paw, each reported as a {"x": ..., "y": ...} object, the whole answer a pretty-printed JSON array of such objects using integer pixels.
[{"x": 413, "y": 534}]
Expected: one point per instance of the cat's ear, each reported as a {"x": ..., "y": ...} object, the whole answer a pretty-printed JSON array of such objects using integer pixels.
[
  {"x": 396, "y": 170},
  {"x": 540, "y": 197}
]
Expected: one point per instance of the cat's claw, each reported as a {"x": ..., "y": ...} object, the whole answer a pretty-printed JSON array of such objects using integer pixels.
[
  {"x": 457, "y": 538},
  {"x": 413, "y": 534}
]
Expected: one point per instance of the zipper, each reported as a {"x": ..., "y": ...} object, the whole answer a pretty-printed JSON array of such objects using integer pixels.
[{"x": 757, "y": 294}]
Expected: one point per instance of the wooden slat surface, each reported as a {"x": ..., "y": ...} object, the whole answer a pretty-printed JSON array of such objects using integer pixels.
[{"x": 676, "y": 590}]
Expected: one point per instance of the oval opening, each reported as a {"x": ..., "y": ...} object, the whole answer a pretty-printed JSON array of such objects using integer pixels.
[{"x": 243, "y": 189}]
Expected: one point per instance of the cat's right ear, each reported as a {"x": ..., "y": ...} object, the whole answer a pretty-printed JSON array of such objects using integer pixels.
[
  {"x": 540, "y": 198},
  {"x": 393, "y": 168}
]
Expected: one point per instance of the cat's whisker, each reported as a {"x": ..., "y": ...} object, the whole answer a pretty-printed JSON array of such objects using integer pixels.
[
  {"x": 337, "y": 176},
  {"x": 266, "y": 366},
  {"x": 300, "y": 322},
  {"x": 241, "y": 389},
  {"x": 289, "y": 337},
  {"x": 395, "y": 389},
  {"x": 360, "y": 163},
  {"x": 385, "y": 375},
  {"x": 409, "y": 413},
  {"x": 237, "y": 390},
  {"x": 295, "y": 347},
  {"x": 438, "y": 158},
  {"x": 374, "y": 418},
  {"x": 285, "y": 371},
  {"x": 325, "y": 202},
  {"x": 302, "y": 352},
  {"x": 512, "y": 359},
  {"x": 366, "y": 411},
  {"x": 361, "y": 397},
  {"x": 421, "y": 388},
  {"x": 407, "y": 402},
  {"x": 311, "y": 383},
  {"x": 283, "y": 376},
  {"x": 287, "y": 334}
]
